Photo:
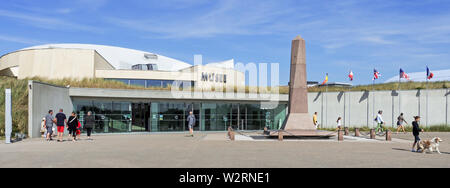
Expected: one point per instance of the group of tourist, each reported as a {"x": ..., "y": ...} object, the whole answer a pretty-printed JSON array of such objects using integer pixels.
[
  {"x": 380, "y": 122},
  {"x": 74, "y": 126}
]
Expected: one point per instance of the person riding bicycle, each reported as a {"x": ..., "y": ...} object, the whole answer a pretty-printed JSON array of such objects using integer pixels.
[{"x": 379, "y": 121}]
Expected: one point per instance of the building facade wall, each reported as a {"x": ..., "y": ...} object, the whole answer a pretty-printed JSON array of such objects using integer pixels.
[
  {"x": 359, "y": 108},
  {"x": 42, "y": 98},
  {"x": 51, "y": 63}
]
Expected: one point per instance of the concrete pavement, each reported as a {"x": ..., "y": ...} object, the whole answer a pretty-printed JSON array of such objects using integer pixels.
[{"x": 214, "y": 150}]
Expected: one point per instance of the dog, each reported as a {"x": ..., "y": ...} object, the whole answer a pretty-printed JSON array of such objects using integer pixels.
[{"x": 430, "y": 145}]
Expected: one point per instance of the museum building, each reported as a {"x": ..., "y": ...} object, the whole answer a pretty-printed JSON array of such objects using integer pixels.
[{"x": 120, "y": 110}]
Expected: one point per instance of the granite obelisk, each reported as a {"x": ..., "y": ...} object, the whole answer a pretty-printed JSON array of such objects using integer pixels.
[{"x": 298, "y": 117}]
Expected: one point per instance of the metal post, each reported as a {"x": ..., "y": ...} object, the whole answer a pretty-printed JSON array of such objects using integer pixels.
[
  {"x": 8, "y": 116},
  {"x": 446, "y": 108},
  {"x": 373, "y": 104},
  {"x": 349, "y": 108},
  {"x": 321, "y": 111},
  {"x": 427, "y": 106},
  {"x": 326, "y": 106}
]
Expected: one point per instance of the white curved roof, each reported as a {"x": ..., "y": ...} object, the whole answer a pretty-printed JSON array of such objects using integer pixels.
[
  {"x": 224, "y": 64},
  {"x": 439, "y": 75},
  {"x": 123, "y": 58}
]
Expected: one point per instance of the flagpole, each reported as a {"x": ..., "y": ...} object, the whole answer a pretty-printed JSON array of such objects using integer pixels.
[
  {"x": 349, "y": 103},
  {"x": 399, "y": 96},
  {"x": 427, "y": 103},
  {"x": 373, "y": 104},
  {"x": 326, "y": 104}
]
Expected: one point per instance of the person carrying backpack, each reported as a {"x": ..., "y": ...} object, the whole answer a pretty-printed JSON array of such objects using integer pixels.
[{"x": 379, "y": 120}]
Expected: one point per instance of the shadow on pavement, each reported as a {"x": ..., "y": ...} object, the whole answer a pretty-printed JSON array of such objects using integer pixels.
[{"x": 401, "y": 149}]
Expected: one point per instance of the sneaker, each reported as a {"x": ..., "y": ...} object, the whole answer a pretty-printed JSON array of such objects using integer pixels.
[{"x": 413, "y": 151}]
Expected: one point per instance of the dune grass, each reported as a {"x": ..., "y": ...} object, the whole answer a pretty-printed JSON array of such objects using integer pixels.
[
  {"x": 19, "y": 104},
  {"x": 384, "y": 86}
]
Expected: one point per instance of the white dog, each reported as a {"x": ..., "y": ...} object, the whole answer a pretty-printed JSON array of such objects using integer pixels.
[{"x": 430, "y": 145}]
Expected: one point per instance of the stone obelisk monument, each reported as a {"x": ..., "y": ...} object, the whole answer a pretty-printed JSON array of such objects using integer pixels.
[{"x": 298, "y": 117}]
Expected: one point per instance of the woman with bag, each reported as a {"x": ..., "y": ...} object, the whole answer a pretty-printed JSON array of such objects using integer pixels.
[
  {"x": 73, "y": 124},
  {"x": 89, "y": 124}
]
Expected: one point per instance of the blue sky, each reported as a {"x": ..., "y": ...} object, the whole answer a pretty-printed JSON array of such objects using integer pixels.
[{"x": 341, "y": 35}]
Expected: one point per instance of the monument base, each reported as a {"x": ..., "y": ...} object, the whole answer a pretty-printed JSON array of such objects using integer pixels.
[
  {"x": 301, "y": 125},
  {"x": 298, "y": 121}
]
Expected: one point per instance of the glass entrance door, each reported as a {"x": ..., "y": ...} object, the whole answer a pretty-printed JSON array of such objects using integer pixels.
[{"x": 140, "y": 117}]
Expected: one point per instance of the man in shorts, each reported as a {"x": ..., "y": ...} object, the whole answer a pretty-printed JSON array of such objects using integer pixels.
[
  {"x": 61, "y": 121},
  {"x": 191, "y": 123},
  {"x": 49, "y": 124}
]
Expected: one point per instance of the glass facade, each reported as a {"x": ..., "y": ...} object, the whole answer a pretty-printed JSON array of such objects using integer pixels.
[
  {"x": 164, "y": 116},
  {"x": 155, "y": 83}
]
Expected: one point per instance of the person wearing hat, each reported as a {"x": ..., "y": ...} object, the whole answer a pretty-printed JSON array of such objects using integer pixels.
[{"x": 416, "y": 132}]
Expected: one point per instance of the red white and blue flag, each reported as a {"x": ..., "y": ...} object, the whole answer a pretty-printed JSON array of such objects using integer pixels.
[
  {"x": 376, "y": 74},
  {"x": 430, "y": 75},
  {"x": 403, "y": 74}
]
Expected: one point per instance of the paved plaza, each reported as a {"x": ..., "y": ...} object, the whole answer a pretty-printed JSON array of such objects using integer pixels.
[{"x": 207, "y": 150}]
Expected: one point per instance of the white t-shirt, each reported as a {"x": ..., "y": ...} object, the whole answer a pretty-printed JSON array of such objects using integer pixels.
[
  {"x": 379, "y": 118},
  {"x": 339, "y": 123}
]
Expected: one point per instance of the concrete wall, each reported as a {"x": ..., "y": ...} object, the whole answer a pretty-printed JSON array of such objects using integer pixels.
[
  {"x": 41, "y": 98},
  {"x": 52, "y": 63},
  {"x": 358, "y": 109}
]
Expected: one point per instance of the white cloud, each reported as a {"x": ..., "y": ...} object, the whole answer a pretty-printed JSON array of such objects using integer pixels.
[
  {"x": 20, "y": 40},
  {"x": 47, "y": 22}
]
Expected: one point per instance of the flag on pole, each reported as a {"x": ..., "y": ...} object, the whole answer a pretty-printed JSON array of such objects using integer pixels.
[
  {"x": 430, "y": 75},
  {"x": 376, "y": 74},
  {"x": 350, "y": 75},
  {"x": 326, "y": 80},
  {"x": 403, "y": 74}
]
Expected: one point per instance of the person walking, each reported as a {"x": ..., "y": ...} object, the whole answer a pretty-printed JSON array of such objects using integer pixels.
[
  {"x": 379, "y": 120},
  {"x": 191, "y": 123},
  {"x": 49, "y": 120},
  {"x": 339, "y": 123},
  {"x": 43, "y": 129},
  {"x": 79, "y": 130},
  {"x": 61, "y": 121},
  {"x": 416, "y": 133},
  {"x": 316, "y": 123},
  {"x": 400, "y": 123},
  {"x": 73, "y": 124},
  {"x": 89, "y": 124}
]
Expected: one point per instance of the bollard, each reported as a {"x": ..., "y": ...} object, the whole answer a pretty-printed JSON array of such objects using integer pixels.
[
  {"x": 280, "y": 136},
  {"x": 266, "y": 131},
  {"x": 347, "y": 131},
  {"x": 372, "y": 133},
  {"x": 232, "y": 135},
  {"x": 388, "y": 135},
  {"x": 8, "y": 116},
  {"x": 357, "y": 133},
  {"x": 340, "y": 136}
]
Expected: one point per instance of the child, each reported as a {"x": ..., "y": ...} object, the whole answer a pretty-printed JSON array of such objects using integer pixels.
[
  {"x": 79, "y": 130},
  {"x": 43, "y": 129},
  {"x": 416, "y": 132},
  {"x": 339, "y": 123}
]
